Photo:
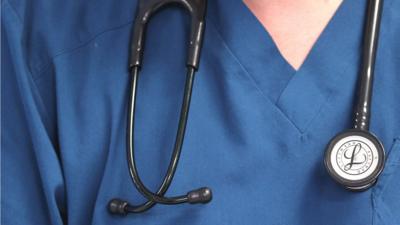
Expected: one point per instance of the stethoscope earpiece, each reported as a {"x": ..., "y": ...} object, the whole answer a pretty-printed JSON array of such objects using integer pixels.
[
  {"x": 201, "y": 195},
  {"x": 355, "y": 159},
  {"x": 117, "y": 207}
]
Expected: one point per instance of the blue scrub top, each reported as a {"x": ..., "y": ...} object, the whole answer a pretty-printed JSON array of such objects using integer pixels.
[{"x": 257, "y": 128}]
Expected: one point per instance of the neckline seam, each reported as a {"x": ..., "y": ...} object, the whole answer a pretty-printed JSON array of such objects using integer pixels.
[{"x": 250, "y": 77}]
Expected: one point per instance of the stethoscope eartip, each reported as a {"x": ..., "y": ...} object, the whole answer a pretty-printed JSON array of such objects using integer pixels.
[
  {"x": 201, "y": 195},
  {"x": 117, "y": 207}
]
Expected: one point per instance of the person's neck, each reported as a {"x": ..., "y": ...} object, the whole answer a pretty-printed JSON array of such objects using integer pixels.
[{"x": 294, "y": 25}]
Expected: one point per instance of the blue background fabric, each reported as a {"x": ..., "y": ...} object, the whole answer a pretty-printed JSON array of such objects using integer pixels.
[{"x": 257, "y": 128}]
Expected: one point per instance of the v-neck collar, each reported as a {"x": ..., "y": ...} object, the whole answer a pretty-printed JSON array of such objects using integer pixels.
[
  {"x": 252, "y": 45},
  {"x": 300, "y": 94}
]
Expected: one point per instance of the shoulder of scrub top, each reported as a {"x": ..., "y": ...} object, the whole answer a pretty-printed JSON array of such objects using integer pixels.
[{"x": 52, "y": 28}]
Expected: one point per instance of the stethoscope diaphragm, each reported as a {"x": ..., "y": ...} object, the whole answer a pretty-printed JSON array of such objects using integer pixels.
[{"x": 355, "y": 159}]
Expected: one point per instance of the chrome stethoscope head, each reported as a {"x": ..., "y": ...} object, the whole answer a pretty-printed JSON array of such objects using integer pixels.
[{"x": 355, "y": 158}]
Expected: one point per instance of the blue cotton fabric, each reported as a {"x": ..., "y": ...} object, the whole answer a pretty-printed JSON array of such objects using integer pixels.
[{"x": 257, "y": 128}]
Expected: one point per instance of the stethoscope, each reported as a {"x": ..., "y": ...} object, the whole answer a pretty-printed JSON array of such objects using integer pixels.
[{"x": 354, "y": 158}]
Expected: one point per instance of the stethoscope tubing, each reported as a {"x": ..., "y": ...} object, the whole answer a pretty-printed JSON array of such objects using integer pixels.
[
  {"x": 366, "y": 77},
  {"x": 146, "y": 9},
  {"x": 158, "y": 197}
]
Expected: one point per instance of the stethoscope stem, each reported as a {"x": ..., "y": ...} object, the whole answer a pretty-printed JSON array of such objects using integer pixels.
[{"x": 371, "y": 36}]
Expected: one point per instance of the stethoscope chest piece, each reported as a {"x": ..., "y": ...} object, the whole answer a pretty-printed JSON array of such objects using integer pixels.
[{"x": 355, "y": 159}]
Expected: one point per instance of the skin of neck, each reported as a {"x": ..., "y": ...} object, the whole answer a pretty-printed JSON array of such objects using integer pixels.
[{"x": 294, "y": 25}]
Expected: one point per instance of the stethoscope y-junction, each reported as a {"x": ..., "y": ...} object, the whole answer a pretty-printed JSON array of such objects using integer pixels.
[{"x": 354, "y": 158}]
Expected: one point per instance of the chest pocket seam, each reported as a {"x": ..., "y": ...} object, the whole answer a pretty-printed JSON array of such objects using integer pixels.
[{"x": 381, "y": 212}]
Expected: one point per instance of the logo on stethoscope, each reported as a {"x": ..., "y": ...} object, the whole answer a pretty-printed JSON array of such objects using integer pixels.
[{"x": 354, "y": 157}]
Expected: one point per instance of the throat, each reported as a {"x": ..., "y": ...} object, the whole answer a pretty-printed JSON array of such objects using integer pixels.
[{"x": 294, "y": 25}]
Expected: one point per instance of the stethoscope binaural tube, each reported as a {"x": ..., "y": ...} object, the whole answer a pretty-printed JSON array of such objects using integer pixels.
[
  {"x": 146, "y": 9},
  {"x": 355, "y": 158}
]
